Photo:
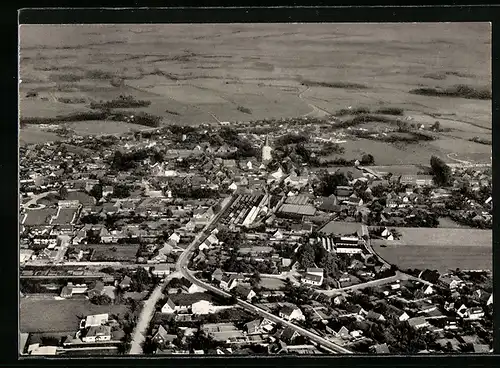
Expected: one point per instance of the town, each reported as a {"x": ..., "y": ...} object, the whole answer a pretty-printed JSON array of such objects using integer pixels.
[{"x": 248, "y": 238}]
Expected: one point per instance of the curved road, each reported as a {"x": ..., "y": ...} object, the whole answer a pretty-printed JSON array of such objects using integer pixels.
[
  {"x": 147, "y": 312},
  {"x": 316, "y": 111},
  {"x": 183, "y": 262}
]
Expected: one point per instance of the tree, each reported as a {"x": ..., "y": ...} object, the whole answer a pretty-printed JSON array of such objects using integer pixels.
[
  {"x": 367, "y": 159},
  {"x": 436, "y": 126},
  {"x": 96, "y": 192},
  {"x": 63, "y": 192},
  {"x": 121, "y": 191},
  {"x": 101, "y": 300},
  {"x": 306, "y": 255},
  {"x": 141, "y": 279},
  {"x": 441, "y": 171},
  {"x": 329, "y": 182}
]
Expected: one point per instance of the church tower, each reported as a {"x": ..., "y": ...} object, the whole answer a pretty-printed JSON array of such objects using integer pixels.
[{"x": 266, "y": 151}]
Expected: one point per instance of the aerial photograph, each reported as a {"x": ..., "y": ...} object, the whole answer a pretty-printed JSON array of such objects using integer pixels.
[{"x": 255, "y": 189}]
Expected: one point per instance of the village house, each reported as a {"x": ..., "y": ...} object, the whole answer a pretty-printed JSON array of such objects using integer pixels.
[
  {"x": 418, "y": 322},
  {"x": 97, "y": 290},
  {"x": 396, "y": 313},
  {"x": 291, "y": 313},
  {"x": 97, "y": 334},
  {"x": 162, "y": 269},
  {"x": 245, "y": 292},
  {"x": 228, "y": 282},
  {"x": 260, "y": 325},
  {"x": 451, "y": 282},
  {"x": 343, "y": 193},
  {"x": 313, "y": 276},
  {"x": 162, "y": 337},
  {"x": 217, "y": 275}
]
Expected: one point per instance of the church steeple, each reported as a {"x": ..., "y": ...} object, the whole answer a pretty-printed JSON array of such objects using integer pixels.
[
  {"x": 266, "y": 151},
  {"x": 267, "y": 141}
]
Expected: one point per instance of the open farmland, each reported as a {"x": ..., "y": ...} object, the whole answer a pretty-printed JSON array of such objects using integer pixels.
[
  {"x": 102, "y": 127},
  {"x": 60, "y": 315},
  {"x": 439, "y": 249},
  {"x": 193, "y": 74}
]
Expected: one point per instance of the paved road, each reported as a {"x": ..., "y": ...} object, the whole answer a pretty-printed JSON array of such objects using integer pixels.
[
  {"x": 138, "y": 336},
  {"x": 147, "y": 312},
  {"x": 250, "y": 307},
  {"x": 183, "y": 262},
  {"x": 396, "y": 277}
]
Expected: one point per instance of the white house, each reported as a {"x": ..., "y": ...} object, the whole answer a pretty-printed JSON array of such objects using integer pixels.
[
  {"x": 278, "y": 235},
  {"x": 462, "y": 311},
  {"x": 162, "y": 269},
  {"x": 168, "y": 307},
  {"x": 450, "y": 281},
  {"x": 228, "y": 282},
  {"x": 428, "y": 289},
  {"x": 475, "y": 313},
  {"x": 193, "y": 289},
  {"x": 233, "y": 186},
  {"x": 291, "y": 313},
  {"x": 490, "y": 300},
  {"x": 94, "y": 320},
  {"x": 203, "y": 307},
  {"x": 314, "y": 280},
  {"x": 97, "y": 334}
]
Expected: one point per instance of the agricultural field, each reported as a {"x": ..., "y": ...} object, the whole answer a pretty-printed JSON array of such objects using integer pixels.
[
  {"x": 440, "y": 249},
  {"x": 196, "y": 74},
  {"x": 60, "y": 315},
  {"x": 102, "y": 127},
  {"x": 35, "y": 135}
]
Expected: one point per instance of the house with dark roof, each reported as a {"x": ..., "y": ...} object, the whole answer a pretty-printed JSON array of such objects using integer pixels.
[
  {"x": 396, "y": 313},
  {"x": 168, "y": 307},
  {"x": 329, "y": 204},
  {"x": 288, "y": 335},
  {"x": 245, "y": 292},
  {"x": 217, "y": 275},
  {"x": 97, "y": 290},
  {"x": 374, "y": 316},
  {"x": 162, "y": 337},
  {"x": 228, "y": 282},
  {"x": 450, "y": 281}
]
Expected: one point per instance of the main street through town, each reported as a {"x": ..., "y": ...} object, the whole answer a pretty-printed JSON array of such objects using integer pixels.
[
  {"x": 182, "y": 267},
  {"x": 148, "y": 309}
]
